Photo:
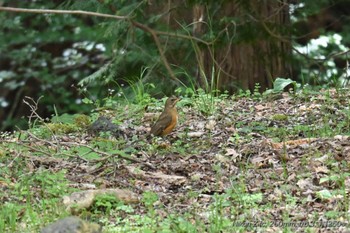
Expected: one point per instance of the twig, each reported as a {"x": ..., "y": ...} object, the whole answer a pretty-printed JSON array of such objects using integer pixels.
[
  {"x": 23, "y": 143},
  {"x": 33, "y": 108},
  {"x": 338, "y": 54},
  {"x": 159, "y": 46},
  {"x": 107, "y": 155},
  {"x": 42, "y": 140}
]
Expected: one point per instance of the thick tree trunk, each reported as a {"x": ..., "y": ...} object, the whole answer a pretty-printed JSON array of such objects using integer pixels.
[
  {"x": 248, "y": 46},
  {"x": 248, "y": 62}
]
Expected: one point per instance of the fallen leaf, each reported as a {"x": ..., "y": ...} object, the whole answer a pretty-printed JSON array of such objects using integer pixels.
[
  {"x": 210, "y": 125},
  {"x": 168, "y": 179},
  {"x": 260, "y": 107},
  {"x": 292, "y": 143},
  {"x": 195, "y": 134},
  {"x": 304, "y": 183},
  {"x": 321, "y": 169},
  {"x": 222, "y": 158}
]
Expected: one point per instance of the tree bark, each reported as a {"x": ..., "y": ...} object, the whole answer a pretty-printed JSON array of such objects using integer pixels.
[
  {"x": 242, "y": 63},
  {"x": 249, "y": 43}
]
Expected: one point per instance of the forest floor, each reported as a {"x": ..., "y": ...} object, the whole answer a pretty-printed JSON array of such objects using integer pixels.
[{"x": 233, "y": 164}]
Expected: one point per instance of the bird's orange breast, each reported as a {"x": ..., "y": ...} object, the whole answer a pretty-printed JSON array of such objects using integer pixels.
[{"x": 172, "y": 124}]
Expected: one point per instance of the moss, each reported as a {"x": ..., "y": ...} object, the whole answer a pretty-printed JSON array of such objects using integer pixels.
[
  {"x": 58, "y": 128},
  {"x": 280, "y": 117},
  {"x": 82, "y": 121}
]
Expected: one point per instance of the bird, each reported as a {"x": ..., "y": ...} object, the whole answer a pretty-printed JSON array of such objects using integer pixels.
[{"x": 167, "y": 120}]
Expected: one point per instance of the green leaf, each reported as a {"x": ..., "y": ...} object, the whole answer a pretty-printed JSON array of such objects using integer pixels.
[
  {"x": 324, "y": 194},
  {"x": 64, "y": 118},
  {"x": 95, "y": 76},
  {"x": 280, "y": 84},
  {"x": 258, "y": 197}
]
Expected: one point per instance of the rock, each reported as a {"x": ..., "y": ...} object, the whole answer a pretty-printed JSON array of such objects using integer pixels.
[
  {"x": 103, "y": 124},
  {"x": 84, "y": 199},
  {"x": 72, "y": 225}
]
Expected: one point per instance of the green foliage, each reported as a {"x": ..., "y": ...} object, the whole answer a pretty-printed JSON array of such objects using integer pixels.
[
  {"x": 8, "y": 217},
  {"x": 105, "y": 203},
  {"x": 321, "y": 59},
  {"x": 52, "y": 185},
  {"x": 280, "y": 84},
  {"x": 46, "y": 55},
  {"x": 149, "y": 198},
  {"x": 31, "y": 198}
]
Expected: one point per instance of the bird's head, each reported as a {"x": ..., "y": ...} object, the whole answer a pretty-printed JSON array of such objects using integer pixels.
[{"x": 171, "y": 102}]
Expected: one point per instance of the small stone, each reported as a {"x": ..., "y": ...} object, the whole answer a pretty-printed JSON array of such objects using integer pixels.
[{"x": 72, "y": 225}]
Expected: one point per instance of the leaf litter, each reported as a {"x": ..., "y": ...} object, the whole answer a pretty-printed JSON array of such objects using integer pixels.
[{"x": 291, "y": 154}]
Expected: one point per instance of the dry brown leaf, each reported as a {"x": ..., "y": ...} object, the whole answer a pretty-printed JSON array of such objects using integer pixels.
[
  {"x": 222, "y": 158},
  {"x": 260, "y": 107},
  {"x": 283, "y": 156},
  {"x": 168, "y": 179},
  {"x": 292, "y": 143},
  {"x": 291, "y": 177},
  {"x": 321, "y": 169},
  {"x": 210, "y": 125},
  {"x": 260, "y": 162},
  {"x": 341, "y": 137},
  {"x": 231, "y": 129},
  {"x": 233, "y": 154},
  {"x": 304, "y": 183},
  {"x": 150, "y": 116}
]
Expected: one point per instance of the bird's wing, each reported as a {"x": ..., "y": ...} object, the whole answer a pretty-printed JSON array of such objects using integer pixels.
[{"x": 163, "y": 121}]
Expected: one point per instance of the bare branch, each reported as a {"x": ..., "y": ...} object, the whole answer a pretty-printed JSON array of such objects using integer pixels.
[
  {"x": 159, "y": 46},
  {"x": 46, "y": 11}
]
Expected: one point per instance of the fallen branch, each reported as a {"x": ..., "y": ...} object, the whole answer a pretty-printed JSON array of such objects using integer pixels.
[{"x": 105, "y": 155}]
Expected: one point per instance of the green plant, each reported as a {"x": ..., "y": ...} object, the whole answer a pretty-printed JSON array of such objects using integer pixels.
[
  {"x": 219, "y": 222},
  {"x": 9, "y": 213},
  {"x": 52, "y": 185},
  {"x": 137, "y": 89},
  {"x": 256, "y": 92},
  {"x": 106, "y": 203},
  {"x": 205, "y": 102},
  {"x": 280, "y": 84},
  {"x": 243, "y": 94},
  {"x": 149, "y": 199}
]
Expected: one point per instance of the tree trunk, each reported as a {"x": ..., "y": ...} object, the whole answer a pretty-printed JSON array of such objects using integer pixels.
[
  {"x": 245, "y": 62},
  {"x": 248, "y": 45}
]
